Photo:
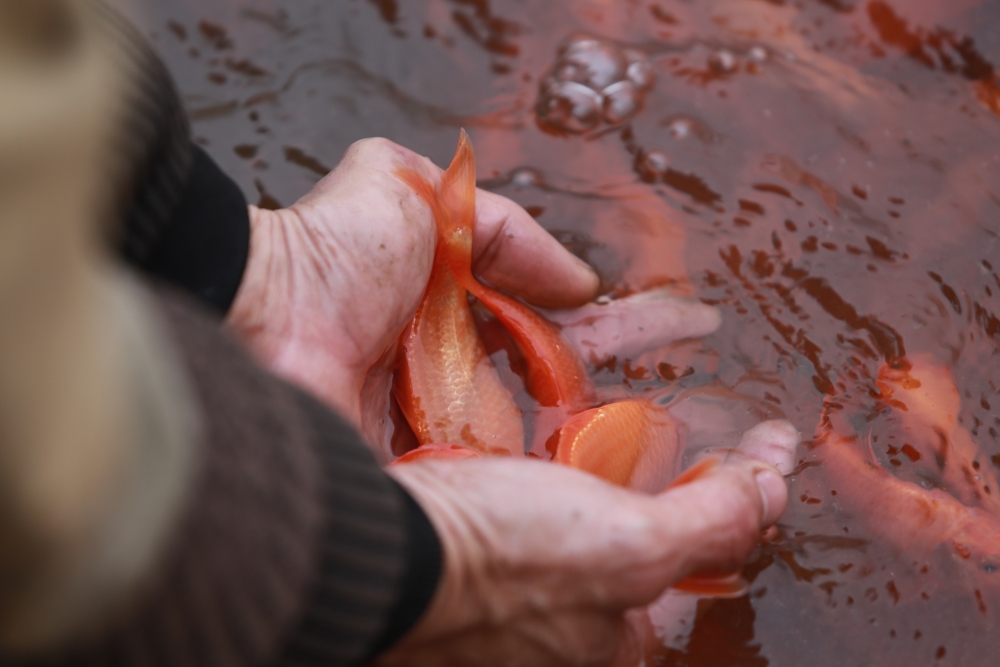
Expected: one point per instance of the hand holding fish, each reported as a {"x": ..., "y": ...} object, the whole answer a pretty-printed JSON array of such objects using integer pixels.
[
  {"x": 543, "y": 561},
  {"x": 332, "y": 280},
  {"x": 542, "y": 564}
]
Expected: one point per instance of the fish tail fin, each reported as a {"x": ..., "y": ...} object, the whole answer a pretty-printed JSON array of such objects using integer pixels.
[
  {"x": 695, "y": 472},
  {"x": 457, "y": 195},
  {"x": 731, "y": 585}
]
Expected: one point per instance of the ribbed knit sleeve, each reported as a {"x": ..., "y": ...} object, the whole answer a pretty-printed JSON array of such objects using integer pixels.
[
  {"x": 183, "y": 220},
  {"x": 294, "y": 545}
]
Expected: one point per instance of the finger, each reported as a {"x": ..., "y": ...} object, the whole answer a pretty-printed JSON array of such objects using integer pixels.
[
  {"x": 514, "y": 253},
  {"x": 715, "y": 522},
  {"x": 774, "y": 442},
  {"x": 636, "y": 324}
]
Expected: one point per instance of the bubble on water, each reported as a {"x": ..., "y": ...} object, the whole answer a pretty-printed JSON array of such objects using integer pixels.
[
  {"x": 592, "y": 62},
  {"x": 652, "y": 165},
  {"x": 641, "y": 74},
  {"x": 526, "y": 177},
  {"x": 570, "y": 106},
  {"x": 722, "y": 61},
  {"x": 620, "y": 102},
  {"x": 681, "y": 128},
  {"x": 593, "y": 79}
]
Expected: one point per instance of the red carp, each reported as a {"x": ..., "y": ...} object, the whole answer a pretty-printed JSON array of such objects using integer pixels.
[
  {"x": 916, "y": 521},
  {"x": 927, "y": 403}
]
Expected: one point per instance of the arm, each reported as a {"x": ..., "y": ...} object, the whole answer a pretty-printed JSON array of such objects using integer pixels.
[
  {"x": 160, "y": 495},
  {"x": 540, "y": 563}
]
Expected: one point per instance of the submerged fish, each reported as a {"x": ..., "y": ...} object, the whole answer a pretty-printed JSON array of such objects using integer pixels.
[
  {"x": 917, "y": 522},
  {"x": 926, "y": 400}
]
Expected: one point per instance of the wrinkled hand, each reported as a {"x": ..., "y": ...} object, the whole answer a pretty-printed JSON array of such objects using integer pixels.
[
  {"x": 331, "y": 281},
  {"x": 542, "y": 562}
]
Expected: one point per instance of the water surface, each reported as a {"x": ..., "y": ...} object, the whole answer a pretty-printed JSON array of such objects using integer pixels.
[{"x": 827, "y": 172}]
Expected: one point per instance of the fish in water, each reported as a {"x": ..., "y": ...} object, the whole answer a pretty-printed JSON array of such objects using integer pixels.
[
  {"x": 917, "y": 522},
  {"x": 924, "y": 398},
  {"x": 632, "y": 443}
]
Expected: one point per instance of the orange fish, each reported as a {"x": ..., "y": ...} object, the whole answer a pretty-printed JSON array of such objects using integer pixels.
[
  {"x": 449, "y": 391},
  {"x": 445, "y": 384},
  {"x": 927, "y": 402},
  {"x": 915, "y": 520},
  {"x": 438, "y": 453},
  {"x": 595, "y": 440}
]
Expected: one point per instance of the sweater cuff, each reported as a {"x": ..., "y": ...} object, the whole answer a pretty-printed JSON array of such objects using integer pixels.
[
  {"x": 203, "y": 248},
  {"x": 421, "y": 575},
  {"x": 370, "y": 588}
]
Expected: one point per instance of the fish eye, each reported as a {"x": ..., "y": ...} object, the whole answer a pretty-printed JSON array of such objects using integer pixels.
[
  {"x": 990, "y": 567},
  {"x": 991, "y": 564}
]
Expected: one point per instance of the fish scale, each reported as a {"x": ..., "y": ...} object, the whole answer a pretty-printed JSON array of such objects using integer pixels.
[{"x": 445, "y": 384}]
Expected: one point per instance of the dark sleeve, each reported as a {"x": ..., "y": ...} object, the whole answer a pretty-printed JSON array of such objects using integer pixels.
[
  {"x": 182, "y": 220},
  {"x": 203, "y": 247},
  {"x": 294, "y": 546}
]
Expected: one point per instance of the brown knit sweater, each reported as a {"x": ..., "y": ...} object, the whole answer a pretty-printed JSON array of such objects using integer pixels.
[{"x": 292, "y": 545}]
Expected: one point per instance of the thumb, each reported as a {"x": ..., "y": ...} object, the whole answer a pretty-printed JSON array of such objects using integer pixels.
[
  {"x": 707, "y": 526},
  {"x": 714, "y": 522},
  {"x": 515, "y": 253}
]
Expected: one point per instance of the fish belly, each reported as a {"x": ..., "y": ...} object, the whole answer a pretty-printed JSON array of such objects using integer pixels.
[
  {"x": 446, "y": 385},
  {"x": 629, "y": 443}
]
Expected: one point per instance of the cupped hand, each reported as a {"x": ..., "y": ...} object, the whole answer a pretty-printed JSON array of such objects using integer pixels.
[
  {"x": 543, "y": 562},
  {"x": 331, "y": 282}
]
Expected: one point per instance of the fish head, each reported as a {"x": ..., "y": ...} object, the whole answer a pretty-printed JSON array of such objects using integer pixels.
[
  {"x": 925, "y": 390},
  {"x": 976, "y": 548}
]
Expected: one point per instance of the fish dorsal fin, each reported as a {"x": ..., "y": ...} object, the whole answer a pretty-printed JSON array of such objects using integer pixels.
[
  {"x": 556, "y": 374},
  {"x": 457, "y": 195}
]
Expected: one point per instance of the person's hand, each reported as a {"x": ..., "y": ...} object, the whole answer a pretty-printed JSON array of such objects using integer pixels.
[
  {"x": 542, "y": 563},
  {"x": 331, "y": 281}
]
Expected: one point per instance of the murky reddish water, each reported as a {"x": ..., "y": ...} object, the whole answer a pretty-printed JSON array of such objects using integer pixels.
[{"x": 828, "y": 172}]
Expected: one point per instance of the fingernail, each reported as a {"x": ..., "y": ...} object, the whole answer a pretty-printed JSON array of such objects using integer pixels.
[
  {"x": 773, "y": 493},
  {"x": 587, "y": 269}
]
